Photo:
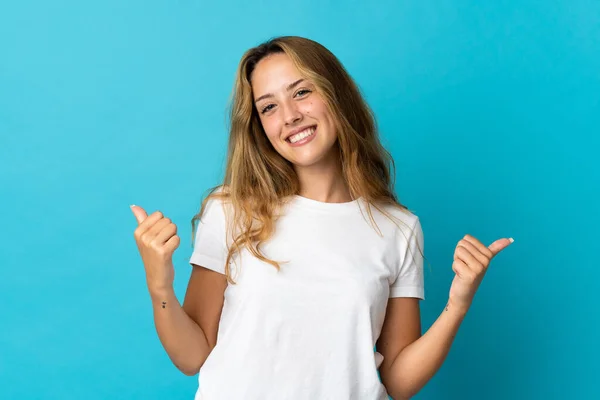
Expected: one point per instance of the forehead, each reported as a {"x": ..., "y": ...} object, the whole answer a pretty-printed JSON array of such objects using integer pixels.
[{"x": 273, "y": 73}]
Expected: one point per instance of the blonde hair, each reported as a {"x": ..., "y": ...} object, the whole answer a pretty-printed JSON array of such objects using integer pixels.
[{"x": 258, "y": 179}]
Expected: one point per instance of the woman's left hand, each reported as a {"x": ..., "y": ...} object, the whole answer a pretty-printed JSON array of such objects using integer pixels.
[{"x": 471, "y": 260}]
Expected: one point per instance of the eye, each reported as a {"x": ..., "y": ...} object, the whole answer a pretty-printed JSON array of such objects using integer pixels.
[
  {"x": 267, "y": 108},
  {"x": 302, "y": 92}
]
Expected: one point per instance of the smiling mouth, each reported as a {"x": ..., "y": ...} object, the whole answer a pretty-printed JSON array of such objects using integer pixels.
[{"x": 302, "y": 135}]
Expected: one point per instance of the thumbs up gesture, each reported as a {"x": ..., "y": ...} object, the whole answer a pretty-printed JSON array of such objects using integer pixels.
[
  {"x": 471, "y": 261},
  {"x": 156, "y": 239}
]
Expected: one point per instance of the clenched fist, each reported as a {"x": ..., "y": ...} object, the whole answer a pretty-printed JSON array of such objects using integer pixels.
[{"x": 156, "y": 239}]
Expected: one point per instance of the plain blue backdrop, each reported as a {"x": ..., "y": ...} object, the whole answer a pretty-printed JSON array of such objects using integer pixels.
[{"x": 491, "y": 111}]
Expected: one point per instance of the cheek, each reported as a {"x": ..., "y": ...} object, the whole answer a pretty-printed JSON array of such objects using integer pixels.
[
  {"x": 317, "y": 109},
  {"x": 271, "y": 129},
  {"x": 309, "y": 109}
]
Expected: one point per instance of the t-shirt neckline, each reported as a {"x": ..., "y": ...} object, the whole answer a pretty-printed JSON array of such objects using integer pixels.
[{"x": 306, "y": 202}]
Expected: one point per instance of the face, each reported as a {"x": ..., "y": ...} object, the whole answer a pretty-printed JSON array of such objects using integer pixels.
[{"x": 293, "y": 114}]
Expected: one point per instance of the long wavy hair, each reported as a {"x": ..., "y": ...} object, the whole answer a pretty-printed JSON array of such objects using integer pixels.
[{"x": 258, "y": 180}]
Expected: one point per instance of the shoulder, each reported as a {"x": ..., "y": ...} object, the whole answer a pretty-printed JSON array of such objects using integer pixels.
[
  {"x": 215, "y": 206},
  {"x": 404, "y": 220},
  {"x": 217, "y": 196},
  {"x": 401, "y": 226}
]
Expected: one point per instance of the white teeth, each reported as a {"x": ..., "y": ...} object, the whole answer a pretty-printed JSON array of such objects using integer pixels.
[{"x": 299, "y": 136}]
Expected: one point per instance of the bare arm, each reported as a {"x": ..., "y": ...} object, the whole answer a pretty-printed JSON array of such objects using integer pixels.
[
  {"x": 411, "y": 360},
  {"x": 188, "y": 333},
  {"x": 402, "y": 326}
]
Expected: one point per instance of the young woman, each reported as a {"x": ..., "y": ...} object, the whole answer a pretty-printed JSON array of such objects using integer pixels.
[{"x": 304, "y": 259}]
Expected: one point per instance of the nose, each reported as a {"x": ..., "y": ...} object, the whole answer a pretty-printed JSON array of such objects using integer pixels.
[{"x": 291, "y": 113}]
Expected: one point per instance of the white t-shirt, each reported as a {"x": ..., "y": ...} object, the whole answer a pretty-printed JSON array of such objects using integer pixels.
[{"x": 308, "y": 332}]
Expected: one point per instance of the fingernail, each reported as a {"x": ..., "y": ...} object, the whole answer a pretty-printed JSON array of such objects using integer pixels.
[
  {"x": 511, "y": 240},
  {"x": 131, "y": 206}
]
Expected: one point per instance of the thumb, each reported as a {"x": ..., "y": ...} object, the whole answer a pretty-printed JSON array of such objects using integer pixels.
[
  {"x": 500, "y": 245},
  {"x": 139, "y": 213}
]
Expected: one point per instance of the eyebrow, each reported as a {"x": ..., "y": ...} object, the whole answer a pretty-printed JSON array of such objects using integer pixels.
[{"x": 289, "y": 87}]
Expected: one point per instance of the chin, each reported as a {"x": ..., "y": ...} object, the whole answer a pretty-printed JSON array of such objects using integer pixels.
[
  {"x": 307, "y": 162},
  {"x": 310, "y": 156}
]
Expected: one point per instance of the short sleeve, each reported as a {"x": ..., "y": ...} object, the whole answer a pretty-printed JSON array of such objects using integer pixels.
[
  {"x": 410, "y": 281},
  {"x": 210, "y": 245}
]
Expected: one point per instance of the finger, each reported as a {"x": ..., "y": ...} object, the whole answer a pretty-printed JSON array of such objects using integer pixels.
[
  {"x": 500, "y": 245},
  {"x": 139, "y": 213},
  {"x": 166, "y": 233},
  {"x": 172, "y": 243},
  {"x": 468, "y": 258},
  {"x": 155, "y": 230},
  {"x": 148, "y": 223},
  {"x": 460, "y": 268},
  {"x": 475, "y": 251},
  {"x": 482, "y": 248}
]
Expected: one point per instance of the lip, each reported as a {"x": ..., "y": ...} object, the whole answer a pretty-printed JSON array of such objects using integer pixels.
[
  {"x": 297, "y": 130},
  {"x": 305, "y": 140}
]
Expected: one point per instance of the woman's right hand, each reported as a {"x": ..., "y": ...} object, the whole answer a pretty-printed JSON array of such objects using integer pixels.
[{"x": 156, "y": 239}]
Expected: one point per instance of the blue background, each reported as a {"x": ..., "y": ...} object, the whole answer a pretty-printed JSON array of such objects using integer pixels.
[{"x": 491, "y": 110}]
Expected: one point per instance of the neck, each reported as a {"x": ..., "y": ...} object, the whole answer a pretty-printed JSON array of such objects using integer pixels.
[{"x": 324, "y": 181}]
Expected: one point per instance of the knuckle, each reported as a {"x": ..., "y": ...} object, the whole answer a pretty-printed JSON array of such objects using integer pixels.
[
  {"x": 143, "y": 238},
  {"x": 147, "y": 239},
  {"x": 160, "y": 250}
]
